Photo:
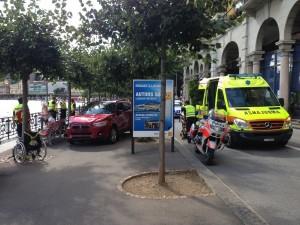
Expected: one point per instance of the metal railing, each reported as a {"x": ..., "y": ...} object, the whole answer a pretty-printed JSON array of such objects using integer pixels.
[{"x": 8, "y": 126}]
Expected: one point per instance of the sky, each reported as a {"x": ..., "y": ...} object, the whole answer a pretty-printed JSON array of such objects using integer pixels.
[{"x": 72, "y": 6}]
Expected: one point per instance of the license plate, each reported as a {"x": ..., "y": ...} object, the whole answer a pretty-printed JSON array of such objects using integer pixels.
[
  {"x": 212, "y": 144},
  {"x": 269, "y": 139}
]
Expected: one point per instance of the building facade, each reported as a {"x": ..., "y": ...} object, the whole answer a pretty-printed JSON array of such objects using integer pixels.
[{"x": 266, "y": 42}]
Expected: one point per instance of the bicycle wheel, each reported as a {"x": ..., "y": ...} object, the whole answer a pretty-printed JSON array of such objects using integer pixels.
[
  {"x": 43, "y": 152},
  {"x": 19, "y": 153}
]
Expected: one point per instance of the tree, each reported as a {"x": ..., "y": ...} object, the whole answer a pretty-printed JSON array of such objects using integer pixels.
[
  {"x": 159, "y": 26},
  {"x": 27, "y": 45}
]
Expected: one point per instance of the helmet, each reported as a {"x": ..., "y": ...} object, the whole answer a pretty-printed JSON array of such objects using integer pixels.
[{"x": 211, "y": 114}]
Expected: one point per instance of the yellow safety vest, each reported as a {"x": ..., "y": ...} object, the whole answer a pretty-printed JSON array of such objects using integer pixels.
[
  {"x": 63, "y": 105},
  {"x": 51, "y": 105},
  {"x": 18, "y": 112},
  {"x": 73, "y": 105},
  {"x": 190, "y": 111}
]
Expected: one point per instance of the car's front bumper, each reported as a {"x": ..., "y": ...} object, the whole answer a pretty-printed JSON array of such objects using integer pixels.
[
  {"x": 93, "y": 133},
  {"x": 262, "y": 137}
]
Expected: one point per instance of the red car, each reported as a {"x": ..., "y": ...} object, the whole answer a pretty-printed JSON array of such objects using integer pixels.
[{"x": 100, "y": 121}]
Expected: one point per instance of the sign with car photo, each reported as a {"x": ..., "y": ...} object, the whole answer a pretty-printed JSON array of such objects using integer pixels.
[{"x": 146, "y": 108}]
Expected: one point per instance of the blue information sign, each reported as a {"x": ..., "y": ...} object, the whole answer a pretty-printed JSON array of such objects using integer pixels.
[{"x": 146, "y": 108}]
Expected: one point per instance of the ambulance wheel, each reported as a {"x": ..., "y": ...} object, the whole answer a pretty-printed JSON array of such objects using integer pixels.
[
  {"x": 283, "y": 143},
  {"x": 232, "y": 142}
]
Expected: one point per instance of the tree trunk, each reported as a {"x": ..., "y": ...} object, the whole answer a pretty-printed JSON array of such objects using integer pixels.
[
  {"x": 25, "y": 116},
  {"x": 69, "y": 98},
  {"x": 162, "y": 147}
]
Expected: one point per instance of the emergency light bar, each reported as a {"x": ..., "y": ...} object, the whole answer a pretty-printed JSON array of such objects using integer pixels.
[{"x": 245, "y": 75}]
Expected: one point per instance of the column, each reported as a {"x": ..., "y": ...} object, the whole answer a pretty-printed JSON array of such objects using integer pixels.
[
  {"x": 255, "y": 58},
  {"x": 249, "y": 67},
  {"x": 221, "y": 70},
  {"x": 285, "y": 48}
]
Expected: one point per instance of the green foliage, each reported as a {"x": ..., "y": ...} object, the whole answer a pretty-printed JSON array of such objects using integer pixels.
[
  {"x": 145, "y": 23},
  {"x": 26, "y": 43}
]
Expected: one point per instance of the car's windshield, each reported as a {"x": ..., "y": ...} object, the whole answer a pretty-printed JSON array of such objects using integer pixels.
[
  {"x": 251, "y": 97},
  {"x": 97, "y": 109}
]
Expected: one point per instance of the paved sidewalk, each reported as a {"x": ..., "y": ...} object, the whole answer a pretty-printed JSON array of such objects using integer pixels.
[
  {"x": 79, "y": 186},
  {"x": 296, "y": 123}
]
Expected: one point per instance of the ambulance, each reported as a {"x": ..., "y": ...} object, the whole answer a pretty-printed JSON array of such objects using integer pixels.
[{"x": 250, "y": 107}]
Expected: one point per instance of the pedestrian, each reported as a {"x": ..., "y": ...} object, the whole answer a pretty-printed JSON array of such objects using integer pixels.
[
  {"x": 18, "y": 117},
  {"x": 44, "y": 113},
  {"x": 63, "y": 109},
  {"x": 73, "y": 107},
  {"x": 52, "y": 108},
  {"x": 189, "y": 115}
]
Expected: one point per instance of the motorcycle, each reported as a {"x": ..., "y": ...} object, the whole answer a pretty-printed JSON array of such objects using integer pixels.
[
  {"x": 193, "y": 132},
  {"x": 183, "y": 132},
  {"x": 212, "y": 136}
]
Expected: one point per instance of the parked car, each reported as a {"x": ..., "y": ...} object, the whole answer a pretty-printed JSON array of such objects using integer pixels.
[
  {"x": 177, "y": 108},
  {"x": 100, "y": 121}
]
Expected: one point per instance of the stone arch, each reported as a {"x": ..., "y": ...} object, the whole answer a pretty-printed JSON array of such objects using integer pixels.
[
  {"x": 268, "y": 35},
  {"x": 230, "y": 58},
  {"x": 207, "y": 66},
  {"x": 292, "y": 25},
  {"x": 191, "y": 72},
  {"x": 196, "y": 67},
  {"x": 186, "y": 71},
  {"x": 201, "y": 68}
]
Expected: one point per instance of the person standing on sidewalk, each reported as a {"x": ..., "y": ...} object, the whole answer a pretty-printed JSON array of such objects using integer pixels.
[
  {"x": 63, "y": 109},
  {"x": 73, "y": 107},
  {"x": 189, "y": 114},
  {"x": 44, "y": 114},
  {"x": 52, "y": 108},
  {"x": 17, "y": 116}
]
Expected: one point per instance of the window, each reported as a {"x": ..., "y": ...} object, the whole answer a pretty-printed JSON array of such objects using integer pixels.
[
  {"x": 221, "y": 101},
  {"x": 126, "y": 106},
  {"x": 120, "y": 106},
  {"x": 97, "y": 109},
  {"x": 199, "y": 96},
  {"x": 251, "y": 97}
]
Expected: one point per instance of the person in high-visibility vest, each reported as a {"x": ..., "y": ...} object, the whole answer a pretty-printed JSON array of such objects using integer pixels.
[
  {"x": 63, "y": 109},
  {"x": 73, "y": 107},
  {"x": 52, "y": 109},
  {"x": 17, "y": 116},
  {"x": 189, "y": 114}
]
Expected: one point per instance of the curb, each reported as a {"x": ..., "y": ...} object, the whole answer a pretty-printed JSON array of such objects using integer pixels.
[
  {"x": 239, "y": 207},
  {"x": 296, "y": 124}
]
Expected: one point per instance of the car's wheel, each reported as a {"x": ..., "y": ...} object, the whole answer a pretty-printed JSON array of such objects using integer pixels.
[{"x": 113, "y": 137}]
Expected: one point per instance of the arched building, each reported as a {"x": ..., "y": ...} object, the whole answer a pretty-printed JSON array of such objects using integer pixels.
[{"x": 266, "y": 42}]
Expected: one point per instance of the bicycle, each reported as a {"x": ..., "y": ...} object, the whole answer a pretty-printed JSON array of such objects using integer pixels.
[{"x": 32, "y": 147}]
